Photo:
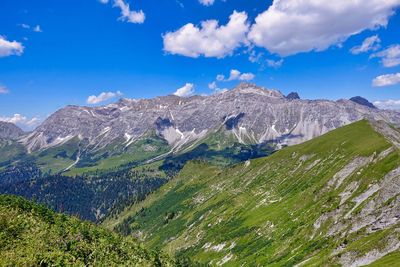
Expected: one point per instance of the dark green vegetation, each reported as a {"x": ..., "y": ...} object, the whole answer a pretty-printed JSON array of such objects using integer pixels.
[
  {"x": 84, "y": 196},
  {"x": 109, "y": 180},
  {"x": 331, "y": 201},
  {"x": 32, "y": 235}
]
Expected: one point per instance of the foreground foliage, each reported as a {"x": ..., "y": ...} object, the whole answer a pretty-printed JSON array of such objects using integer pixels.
[{"x": 32, "y": 235}]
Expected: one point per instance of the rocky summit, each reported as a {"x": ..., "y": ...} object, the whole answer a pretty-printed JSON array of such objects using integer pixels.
[{"x": 10, "y": 130}]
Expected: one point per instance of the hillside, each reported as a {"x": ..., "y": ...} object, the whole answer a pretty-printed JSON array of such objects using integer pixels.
[
  {"x": 332, "y": 200},
  {"x": 32, "y": 235}
]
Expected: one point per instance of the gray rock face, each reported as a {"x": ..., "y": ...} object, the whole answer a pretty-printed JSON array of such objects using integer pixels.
[
  {"x": 292, "y": 96},
  {"x": 362, "y": 101},
  {"x": 10, "y": 130},
  {"x": 247, "y": 111}
]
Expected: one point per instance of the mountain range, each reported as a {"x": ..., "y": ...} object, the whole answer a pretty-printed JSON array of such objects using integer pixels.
[{"x": 246, "y": 114}]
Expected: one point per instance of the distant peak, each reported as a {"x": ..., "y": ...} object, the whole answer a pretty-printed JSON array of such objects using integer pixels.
[
  {"x": 125, "y": 101},
  {"x": 362, "y": 101},
  {"x": 247, "y": 85},
  {"x": 10, "y": 130},
  {"x": 253, "y": 88},
  {"x": 292, "y": 96}
]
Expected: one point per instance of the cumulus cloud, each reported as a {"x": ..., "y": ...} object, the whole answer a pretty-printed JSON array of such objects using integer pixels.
[
  {"x": 274, "y": 64},
  {"x": 246, "y": 77},
  {"x": 3, "y": 89},
  {"x": 390, "y": 56},
  {"x": 207, "y": 2},
  {"x": 369, "y": 44},
  {"x": 126, "y": 13},
  {"x": 22, "y": 121},
  {"x": 8, "y": 48},
  {"x": 129, "y": 15},
  {"x": 386, "y": 80},
  {"x": 94, "y": 100},
  {"x": 185, "y": 91},
  {"x": 289, "y": 27},
  {"x": 210, "y": 39},
  {"x": 388, "y": 104},
  {"x": 236, "y": 75}
]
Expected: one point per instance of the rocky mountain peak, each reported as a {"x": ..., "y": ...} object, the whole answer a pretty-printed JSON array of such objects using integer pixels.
[
  {"x": 251, "y": 88},
  {"x": 10, "y": 130},
  {"x": 292, "y": 96},
  {"x": 362, "y": 101}
]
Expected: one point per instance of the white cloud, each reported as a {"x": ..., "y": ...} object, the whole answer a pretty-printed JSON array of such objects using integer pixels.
[
  {"x": 127, "y": 14},
  {"x": 274, "y": 64},
  {"x": 93, "y": 100},
  {"x": 210, "y": 39},
  {"x": 23, "y": 121},
  {"x": 207, "y": 2},
  {"x": 369, "y": 44},
  {"x": 390, "y": 56},
  {"x": 220, "y": 77},
  {"x": 8, "y": 48},
  {"x": 246, "y": 77},
  {"x": 212, "y": 85},
  {"x": 185, "y": 91},
  {"x": 37, "y": 29},
  {"x": 236, "y": 75},
  {"x": 386, "y": 80},
  {"x": 388, "y": 104},
  {"x": 255, "y": 57},
  {"x": 3, "y": 89},
  {"x": 289, "y": 27}
]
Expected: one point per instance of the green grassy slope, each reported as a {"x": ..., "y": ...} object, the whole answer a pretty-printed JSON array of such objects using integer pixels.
[
  {"x": 31, "y": 235},
  {"x": 331, "y": 200},
  {"x": 104, "y": 180}
]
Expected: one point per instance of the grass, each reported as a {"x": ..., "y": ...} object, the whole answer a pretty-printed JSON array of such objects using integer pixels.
[
  {"x": 263, "y": 212},
  {"x": 32, "y": 235}
]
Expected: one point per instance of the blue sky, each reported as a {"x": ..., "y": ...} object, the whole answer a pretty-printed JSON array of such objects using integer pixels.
[{"x": 56, "y": 53}]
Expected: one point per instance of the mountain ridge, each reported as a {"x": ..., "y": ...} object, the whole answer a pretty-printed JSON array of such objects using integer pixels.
[{"x": 192, "y": 118}]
